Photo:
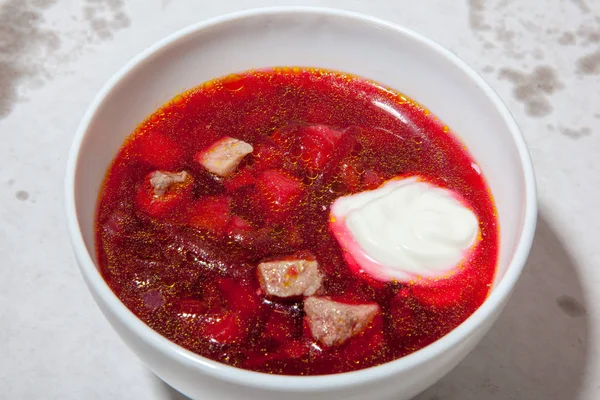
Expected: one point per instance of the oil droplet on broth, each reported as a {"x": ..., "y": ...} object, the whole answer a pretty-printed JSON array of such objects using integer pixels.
[
  {"x": 208, "y": 85},
  {"x": 233, "y": 82},
  {"x": 178, "y": 99}
]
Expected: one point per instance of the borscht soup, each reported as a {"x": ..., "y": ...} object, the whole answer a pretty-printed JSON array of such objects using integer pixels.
[{"x": 297, "y": 221}]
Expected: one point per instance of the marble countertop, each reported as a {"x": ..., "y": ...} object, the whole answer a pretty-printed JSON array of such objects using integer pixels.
[{"x": 543, "y": 57}]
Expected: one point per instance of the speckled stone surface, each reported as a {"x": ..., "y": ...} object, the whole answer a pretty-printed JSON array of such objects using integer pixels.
[{"x": 543, "y": 57}]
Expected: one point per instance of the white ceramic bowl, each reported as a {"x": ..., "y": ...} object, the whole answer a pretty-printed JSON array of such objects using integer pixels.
[{"x": 333, "y": 39}]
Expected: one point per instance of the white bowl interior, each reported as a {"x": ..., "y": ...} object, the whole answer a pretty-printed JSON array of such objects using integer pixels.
[{"x": 402, "y": 62}]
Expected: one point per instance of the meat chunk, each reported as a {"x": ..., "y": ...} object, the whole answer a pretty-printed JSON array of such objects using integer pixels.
[
  {"x": 332, "y": 323},
  {"x": 161, "y": 181},
  {"x": 162, "y": 193},
  {"x": 223, "y": 157},
  {"x": 290, "y": 277}
]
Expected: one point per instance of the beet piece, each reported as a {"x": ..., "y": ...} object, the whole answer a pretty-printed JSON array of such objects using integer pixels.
[
  {"x": 159, "y": 150},
  {"x": 242, "y": 298},
  {"x": 286, "y": 136},
  {"x": 350, "y": 176},
  {"x": 225, "y": 328},
  {"x": 317, "y": 144},
  {"x": 267, "y": 156},
  {"x": 246, "y": 238},
  {"x": 241, "y": 179},
  {"x": 207, "y": 254},
  {"x": 210, "y": 213},
  {"x": 260, "y": 243},
  {"x": 191, "y": 308},
  {"x": 237, "y": 224},
  {"x": 371, "y": 180},
  {"x": 280, "y": 192},
  {"x": 344, "y": 146},
  {"x": 160, "y": 201}
]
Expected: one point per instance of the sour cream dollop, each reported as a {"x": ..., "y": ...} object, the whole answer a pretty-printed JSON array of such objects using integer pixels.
[{"x": 405, "y": 229}]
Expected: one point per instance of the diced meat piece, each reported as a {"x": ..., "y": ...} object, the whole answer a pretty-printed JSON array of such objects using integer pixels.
[
  {"x": 161, "y": 181},
  {"x": 332, "y": 323},
  {"x": 164, "y": 192},
  {"x": 159, "y": 150},
  {"x": 280, "y": 192},
  {"x": 290, "y": 277},
  {"x": 223, "y": 157},
  {"x": 211, "y": 213}
]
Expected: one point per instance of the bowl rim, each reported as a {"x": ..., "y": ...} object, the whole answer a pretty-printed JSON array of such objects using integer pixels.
[{"x": 288, "y": 383}]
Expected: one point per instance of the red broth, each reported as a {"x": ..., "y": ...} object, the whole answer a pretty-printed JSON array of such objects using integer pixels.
[{"x": 189, "y": 270}]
